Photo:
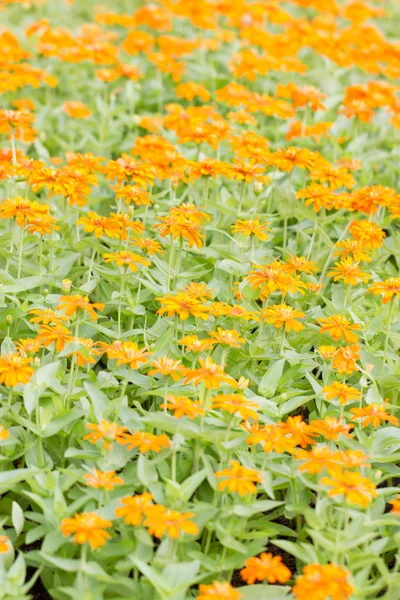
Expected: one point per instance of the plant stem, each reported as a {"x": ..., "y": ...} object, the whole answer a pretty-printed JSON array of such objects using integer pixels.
[
  {"x": 21, "y": 245},
  {"x": 121, "y": 295},
  {"x": 389, "y": 323}
]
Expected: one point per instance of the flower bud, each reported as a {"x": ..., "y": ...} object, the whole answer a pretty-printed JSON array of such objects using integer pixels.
[
  {"x": 9, "y": 320},
  {"x": 258, "y": 188},
  {"x": 66, "y": 285}
]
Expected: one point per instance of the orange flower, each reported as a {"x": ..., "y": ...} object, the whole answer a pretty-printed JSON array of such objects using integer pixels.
[
  {"x": 135, "y": 194},
  {"x": 272, "y": 437},
  {"x": 99, "y": 479},
  {"x": 87, "y": 527},
  {"x": 183, "y": 305},
  {"x": 22, "y": 209},
  {"x": 374, "y": 415},
  {"x": 356, "y": 488},
  {"x": 129, "y": 353},
  {"x": 218, "y": 590},
  {"x": 76, "y": 110},
  {"x": 210, "y": 373},
  {"x": 239, "y": 479},
  {"x": 11, "y": 119},
  {"x": 109, "y": 432},
  {"x": 266, "y": 566},
  {"x": 167, "y": 366},
  {"x": 354, "y": 248},
  {"x": 320, "y": 582},
  {"x": 300, "y": 264},
  {"x": 299, "y": 430},
  {"x": 367, "y": 232},
  {"x": 351, "y": 459},
  {"x": 387, "y": 288},
  {"x": 193, "y": 344},
  {"x": 160, "y": 520},
  {"x": 396, "y": 506},
  {"x": 150, "y": 246},
  {"x": 183, "y": 406},
  {"x": 55, "y": 333},
  {"x": 99, "y": 225},
  {"x": 345, "y": 393},
  {"x": 236, "y": 403},
  {"x": 144, "y": 441},
  {"x": 349, "y": 271},
  {"x": 126, "y": 258},
  {"x": 345, "y": 359},
  {"x": 272, "y": 277},
  {"x": 15, "y": 369},
  {"x": 229, "y": 337},
  {"x": 72, "y": 304},
  {"x": 318, "y": 458},
  {"x": 28, "y": 345},
  {"x": 327, "y": 352},
  {"x": 281, "y": 315},
  {"x": 4, "y": 433},
  {"x": 5, "y": 544},
  {"x": 134, "y": 508},
  {"x": 249, "y": 228},
  {"x": 330, "y": 428},
  {"x": 43, "y": 224},
  {"x": 338, "y": 326}
]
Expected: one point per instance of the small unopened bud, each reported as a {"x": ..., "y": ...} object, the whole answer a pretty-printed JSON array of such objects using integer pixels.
[
  {"x": 9, "y": 320},
  {"x": 369, "y": 367},
  {"x": 45, "y": 291},
  {"x": 156, "y": 206},
  {"x": 258, "y": 188},
  {"x": 36, "y": 362},
  {"x": 174, "y": 182},
  {"x": 53, "y": 209},
  {"x": 66, "y": 285},
  {"x": 131, "y": 210},
  {"x": 243, "y": 383}
]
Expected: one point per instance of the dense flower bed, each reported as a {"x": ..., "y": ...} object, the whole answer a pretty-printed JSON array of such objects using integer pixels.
[{"x": 199, "y": 285}]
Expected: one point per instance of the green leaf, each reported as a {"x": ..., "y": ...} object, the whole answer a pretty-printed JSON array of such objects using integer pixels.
[
  {"x": 17, "y": 517},
  {"x": 270, "y": 381},
  {"x": 264, "y": 592}
]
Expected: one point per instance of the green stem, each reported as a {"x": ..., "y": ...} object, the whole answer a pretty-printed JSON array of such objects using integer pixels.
[
  {"x": 242, "y": 186},
  {"x": 171, "y": 255},
  {"x": 91, "y": 264},
  {"x": 389, "y": 323},
  {"x": 21, "y": 245},
  {"x": 121, "y": 295}
]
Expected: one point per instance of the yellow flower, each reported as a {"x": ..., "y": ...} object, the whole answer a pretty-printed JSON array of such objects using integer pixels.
[
  {"x": 15, "y": 369},
  {"x": 87, "y": 527}
]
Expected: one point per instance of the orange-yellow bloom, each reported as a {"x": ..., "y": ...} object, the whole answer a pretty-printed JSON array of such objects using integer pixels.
[
  {"x": 353, "y": 486},
  {"x": 109, "y": 432},
  {"x": 349, "y": 271},
  {"x": 161, "y": 520},
  {"x": 338, "y": 326},
  {"x": 282, "y": 315},
  {"x": 15, "y": 369},
  {"x": 345, "y": 393},
  {"x": 72, "y": 304},
  {"x": 266, "y": 566},
  {"x": 105, "y": 480},
  {"x": 218, "y": 590},
  {"x": 320, "y": 582},
  {"x": 145, "y": 441},
  {"x": 373, "y": 414},
  {"x": 239, "y": 479},
  {"x": 387, "y": 288},
  {"x": 87, "y": 527},
  {"x": 134, "y": 507},
  {"x": 183, "y": 406}
]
